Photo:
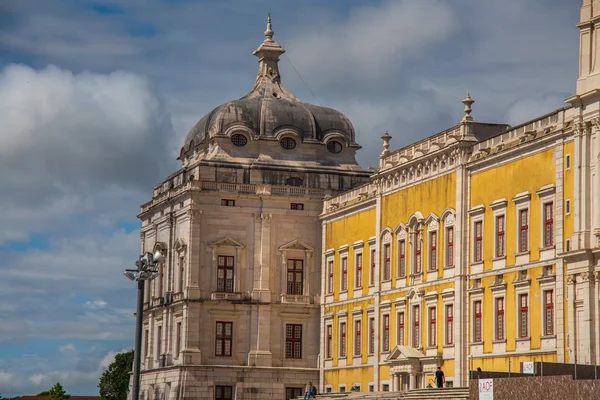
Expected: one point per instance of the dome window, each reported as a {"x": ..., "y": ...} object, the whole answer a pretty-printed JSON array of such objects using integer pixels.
[
  {"x": 334, "y": 147},
  {"x": 288, "y": 143},
  {"x": 239, "y": 140}
]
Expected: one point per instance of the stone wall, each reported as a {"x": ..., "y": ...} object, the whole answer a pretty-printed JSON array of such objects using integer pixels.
[{"x": 541, "y": 388}]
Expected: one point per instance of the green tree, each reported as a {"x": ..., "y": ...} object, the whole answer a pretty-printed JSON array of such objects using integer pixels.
[
  {"x": 57, "y": 392},
  {"x": 114, "y": 382},
  {"x": 46, "y": 393}
]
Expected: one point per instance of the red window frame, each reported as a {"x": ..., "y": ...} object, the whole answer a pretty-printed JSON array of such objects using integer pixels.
[
  {"x": 523, "y": 316},
  {"x": 373, "y": 266},
  {"x": 371, "y": 335},
  {"x": 359, "y": 266},
  {"x": 224, "y": 339},
  {"x": 402, "y": 258},
  {"x": 433, "y": 251},
  {"x": 418, "y": 248},
  {"x": 293, "y": 341},
  {"x": 500, "y": 237},
  {"x": 400, "y": 328},
  {"x": 548, "y": 224},
  {"x": 329, "y": 349},
  {"x": 500, "y": 318},
  {"x": 343, "y": 333},
  {"x": 432, "y": 326},
  {"x": 330, "y": 277},
  {"x": 549, "y": 312},
  {"x": 449, "y": 324},
  {"x": 450, "y": 247},
  {"x": 225, "y": 265},
  {"x": 344, "y": 266},
  {"x": 385, "y": 340},
  {"x": 416, "y": 339},
  {"x": 478, "y": 251},
  {"x": 477, "y": 321},
  {"x": 386, "y": 261},
  {"x": 523, "y": 230},
  {"x": 357, "y": 338},
  {"x": 295, "y": 276}
]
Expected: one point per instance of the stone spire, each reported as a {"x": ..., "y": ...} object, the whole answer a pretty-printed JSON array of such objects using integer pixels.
[
  {"x": 468, "y": 102},
  {"x": 268, "y": 57}
]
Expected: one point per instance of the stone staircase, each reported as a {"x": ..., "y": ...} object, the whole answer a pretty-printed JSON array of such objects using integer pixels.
[{"x": 458, "y": 393}]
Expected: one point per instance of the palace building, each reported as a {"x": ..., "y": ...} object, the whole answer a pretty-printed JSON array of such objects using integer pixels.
[{"x": 286, "y": 261}]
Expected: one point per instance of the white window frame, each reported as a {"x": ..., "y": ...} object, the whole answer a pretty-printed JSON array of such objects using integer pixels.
[
  {"x": 328, "y": 322},
  {"x": 385, "y": 309},
  {"x": 568, "y": 161},
  {"x": 448, "y": 299},
  {"x": 401, "y": 308},
  {"x": 416, "y": 226},
  {"x": 499, "y": 210},
  {"x": 522, "y": 202},
  {"x": 568, "y": 207},
  {"x": 358, "y": 250},
  {"x": 522, "y": 286},
  {"x": 329, "y": 257},
  {"x": 372, "y": 272},
  {"x": 476, "y": 295},
  {"x": 433, "y": 226},
  {"x": 401, "y": 235},
  {"x": 431, "y": 302},
  {"x": 410, "y": 319},
  {"x": 386, "y": 239},
  {"x": 343, "y": 253},
  {"x": 546, "y": 195},
  {"x": 357, "y": 317},
  {"x": 477, "y": 215},
  {"x": 449, "y": 223}
]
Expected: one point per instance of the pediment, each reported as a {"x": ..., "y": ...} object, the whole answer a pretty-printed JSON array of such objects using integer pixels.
[
  {"x": 404, "y": 353},
  {"x": 296, "y": 245},
  {"x": 180, "y": 245},
  {"x": 227, "y": 241}
]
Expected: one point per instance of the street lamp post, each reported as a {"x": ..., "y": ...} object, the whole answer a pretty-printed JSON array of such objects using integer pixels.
[{"x": 147, "y": 269}]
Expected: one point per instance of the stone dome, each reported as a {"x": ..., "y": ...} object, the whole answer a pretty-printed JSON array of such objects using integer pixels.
[{"x": 269, "y": 109}]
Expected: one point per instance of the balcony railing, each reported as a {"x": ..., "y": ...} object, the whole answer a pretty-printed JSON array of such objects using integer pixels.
[
  {"x": 225, "y": 296},
  {"x": 295, "y": 299}
]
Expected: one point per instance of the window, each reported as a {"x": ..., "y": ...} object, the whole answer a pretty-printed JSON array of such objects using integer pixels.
[
  {"x": 450, "y": 247},
  {"x": 178, "y": 339},
  {"x": 357, "y": 341},
  {"x": 523, "y": 316},
  {"x": 159, "y": 341},
  {"x": 548, "y": 225},
  {"x": 386, "y": 262},
  {"x": 146, "y": 339},
  {"x": 342, "y": 388},
  {"x": 416, "y": 331},
  {"x": 334, "y": 147},
  {"x": 500, "y": 236},
  {"x": 359, "y": 262},
  {"x": 288, "y": 143},
  {"x": 181, "y": 274},
  {"x": 342, "y": 340},
  {"x": 344, "y": 280},
  {"x": 297, "y": 206},
  {"x": 400, "y": 340},
  {"x": 329, "y": 341},
  {"x": 293, "y": 181},
  {"x": 568, "y": 161},
  {"x": 449, "y": 324},
  {"x": 293, "y": 341},
  {"x": 224, "y": 339},
  {"x": 373, "y": 266},
  {"x": 433, "y": 251},
  {"x": 295, "y": 276},
  {"x": 330, "y": 276},
  {"x": 371, "y": 388},
  {"x": 385, "y": 340},
  {"x": 478, "y": 253},
  {"x": 223, "y": 392},
  {"x": 523, "y": 230},
  {"x": 418, "y": 252},
  {"x": 432, "y": 327},
  {"x": 477, "y": 321},
  {"x": 549, "y": 312},
  {"x": 293, "y": 393},
  {"x": 568, "y": 244},
  {"x": 228, "y": 202},
  {"x": 568, "y": 206},
  {"x": 239, "y": 140},
  {"x": 371, "y": 335},
  {"x": 225, "y": 274},
  {"x": 402, "y": 258},
  {"x": 385, "y": 387},
  {"x": 500, "y": 318}
]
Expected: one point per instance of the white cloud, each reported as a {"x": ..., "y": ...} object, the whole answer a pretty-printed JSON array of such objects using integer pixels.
[
  {"x": 5, "y": 377},
  {"x": 96, "y": 304},
  {"x": 67, "y": 348}
]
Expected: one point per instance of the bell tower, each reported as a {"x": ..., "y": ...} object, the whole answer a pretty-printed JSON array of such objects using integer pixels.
[{"x": 589, "y": 47}]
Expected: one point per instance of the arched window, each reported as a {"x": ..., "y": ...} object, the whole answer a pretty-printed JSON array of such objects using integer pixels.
[
  {"x": 288, "y": 143},
  {"x": 293, "y": 181}
]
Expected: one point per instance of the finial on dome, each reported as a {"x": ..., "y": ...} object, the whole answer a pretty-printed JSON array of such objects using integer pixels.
[
  {"x": 269, "y": 32},
  {"x": 468, "y": 102}
]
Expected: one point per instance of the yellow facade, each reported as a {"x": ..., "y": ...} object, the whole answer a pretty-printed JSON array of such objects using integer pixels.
[{"x": 424, "y": 215}]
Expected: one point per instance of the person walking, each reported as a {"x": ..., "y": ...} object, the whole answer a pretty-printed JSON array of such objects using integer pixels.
[
  {"x": 311, "y": 391},
  {"x": 440, "y": 379}
]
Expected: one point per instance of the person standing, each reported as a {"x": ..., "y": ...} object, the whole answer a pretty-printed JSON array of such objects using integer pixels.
[
  {"x": 311, "y": 391},
  {"x": 440, "y": 379}
]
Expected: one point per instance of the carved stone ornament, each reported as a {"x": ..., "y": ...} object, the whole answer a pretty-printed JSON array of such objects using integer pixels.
[
  {"x": 595, "y": 124},
  {"x": 402, "y": 234},
  {"x": 570, "y": 279},
  {"x": 263, "y": 217},
  {"x": 585, "y": 277},
  {"x": 387, "y": 237},
  {"x": 450, "y": 219},
  {"x": 597, "y": 275},
  {"x": 433, "y": 225},
  {"x": 578, "y": 129}
]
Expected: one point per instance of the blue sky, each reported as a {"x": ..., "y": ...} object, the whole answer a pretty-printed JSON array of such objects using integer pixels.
[{"x": 96, "y": 97}]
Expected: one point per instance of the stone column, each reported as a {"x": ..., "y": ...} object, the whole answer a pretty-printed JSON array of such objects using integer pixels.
[{"x": 412, "y": 383}]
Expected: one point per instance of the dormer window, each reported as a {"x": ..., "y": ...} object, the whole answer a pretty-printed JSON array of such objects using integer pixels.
[
  {"x": 334, "y": 147},
  {"x": 239, "y": 140},
  {"x": 288, "y": 143}
]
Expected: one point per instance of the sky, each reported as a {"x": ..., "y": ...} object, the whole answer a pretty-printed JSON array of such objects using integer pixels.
[{"x": 96, "y": 98}]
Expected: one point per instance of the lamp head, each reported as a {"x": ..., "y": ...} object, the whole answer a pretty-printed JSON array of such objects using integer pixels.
[
  {"x": 158, "y": 256},
  {"x": 130, "y": 275}
]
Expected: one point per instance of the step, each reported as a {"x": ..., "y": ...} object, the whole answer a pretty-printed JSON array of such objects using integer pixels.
[{"x": 433, "y": 393}]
